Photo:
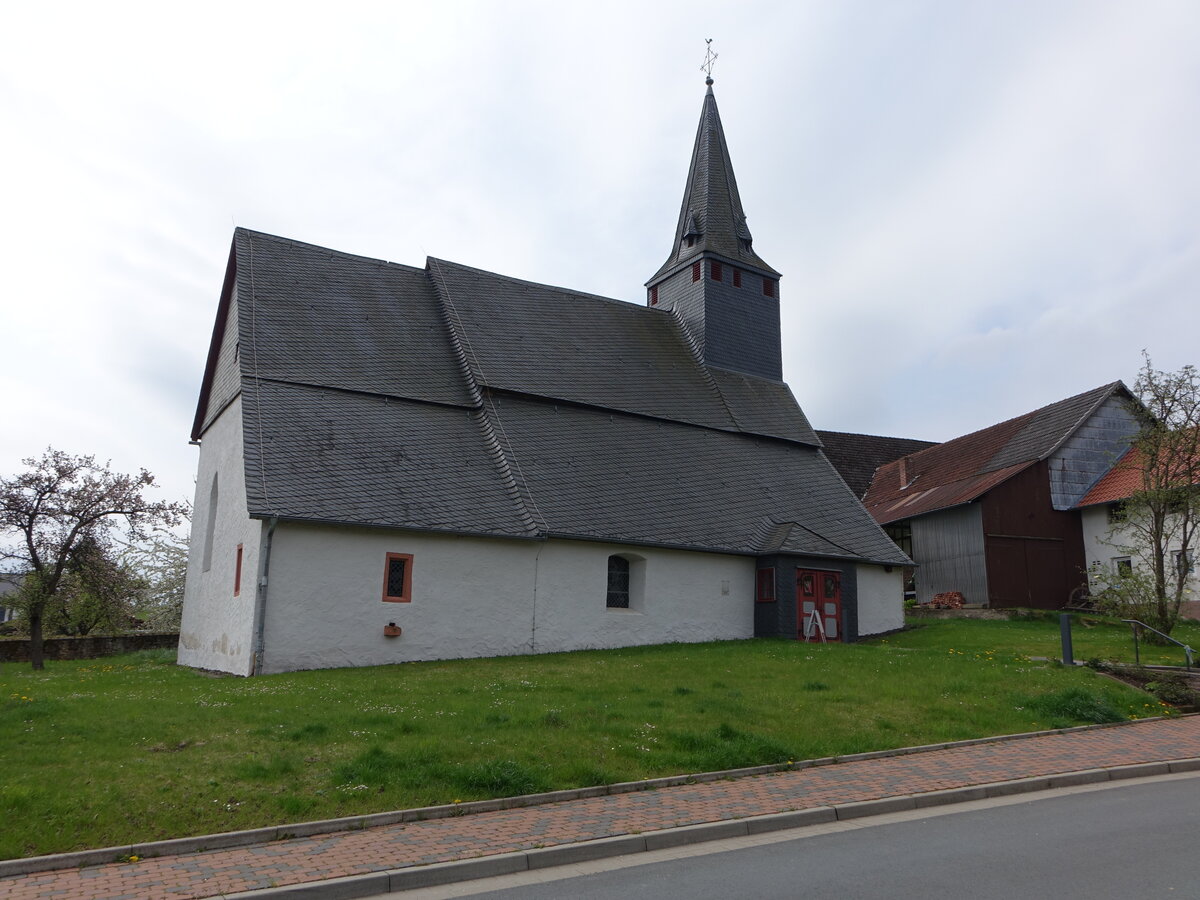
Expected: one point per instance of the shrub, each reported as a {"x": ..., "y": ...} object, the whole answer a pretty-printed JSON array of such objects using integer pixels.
[{"x": 1074, "y": 705}]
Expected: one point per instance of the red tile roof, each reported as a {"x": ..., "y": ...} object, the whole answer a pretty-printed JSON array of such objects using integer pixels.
[{"x": 1121, "y": 481}]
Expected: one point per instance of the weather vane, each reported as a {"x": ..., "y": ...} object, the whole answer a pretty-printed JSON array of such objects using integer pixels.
[{"x": 710, "y": 60}]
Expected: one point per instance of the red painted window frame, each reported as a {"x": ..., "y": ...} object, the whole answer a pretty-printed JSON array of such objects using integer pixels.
[
  {"x": 737, "y": 277},
  {"x": 696, "y": 271},
  {"x": 714, "y": 270},
  {"x": 406, "y": 594},
  {"x": 768, "y": 287},
  {"x": 765, "y": 592},
  {"x": 237, "y": 573},
  {"x": 654, "y": 295}
]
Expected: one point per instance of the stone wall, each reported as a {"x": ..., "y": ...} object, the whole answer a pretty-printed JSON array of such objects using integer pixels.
[{"x": 90, "y": 647}]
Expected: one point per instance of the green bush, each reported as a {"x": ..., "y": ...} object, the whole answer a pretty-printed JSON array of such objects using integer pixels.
[{"x": 1074, "y": 706}]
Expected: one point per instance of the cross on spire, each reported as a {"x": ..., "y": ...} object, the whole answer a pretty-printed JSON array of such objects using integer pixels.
[{"x": 710, "y": 59}]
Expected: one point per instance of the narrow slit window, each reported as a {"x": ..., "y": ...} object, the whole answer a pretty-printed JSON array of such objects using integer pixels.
[
  {"x": 737, "y": 277},
  {"x": 654, "y": 296},
  {"x": 237, "y": 573},
  {"x": 397, "y": 578}
]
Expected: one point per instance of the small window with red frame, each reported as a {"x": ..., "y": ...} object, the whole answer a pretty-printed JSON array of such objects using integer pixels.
[
  {"x": 696, "y": 271},
  {"x": 715, "y": 270},
  {"x": 397, "y": 578}
]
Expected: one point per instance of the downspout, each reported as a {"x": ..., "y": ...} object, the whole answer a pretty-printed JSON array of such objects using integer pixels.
[
  {"x": 533, "y": 624},
  {"x": 260, "y": 602}
]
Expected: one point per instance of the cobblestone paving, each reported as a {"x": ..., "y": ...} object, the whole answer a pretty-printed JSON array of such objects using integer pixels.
[{"x": 299, "y": 860}]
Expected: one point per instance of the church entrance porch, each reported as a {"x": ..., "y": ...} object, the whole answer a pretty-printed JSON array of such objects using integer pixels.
[{"x": 818, "y": 605}]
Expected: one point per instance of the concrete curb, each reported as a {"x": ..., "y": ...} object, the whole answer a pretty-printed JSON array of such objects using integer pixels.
[
  {"x": 225, "y": 840},
  {"x": 437, "y": 874}
]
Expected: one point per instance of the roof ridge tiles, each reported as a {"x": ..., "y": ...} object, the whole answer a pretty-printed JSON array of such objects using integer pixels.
[
  {"x": 886, "y": 437},
  {"x": 1106, "y": 388},
  {"x": 693, "y": 346},
  {"x": 500, "y": 453},
  {"x": 638, "y": 414},
  {"x": 383, "y": 395},
  {"x": 571, "y": 292},
  {"x": 292, "y": 242}
]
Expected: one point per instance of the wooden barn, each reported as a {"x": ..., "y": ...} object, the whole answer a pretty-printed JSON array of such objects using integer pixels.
[{"x": 993, "y": 514}]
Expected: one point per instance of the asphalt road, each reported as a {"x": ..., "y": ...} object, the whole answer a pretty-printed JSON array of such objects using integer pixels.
[{"x": 1140, "y": 840}]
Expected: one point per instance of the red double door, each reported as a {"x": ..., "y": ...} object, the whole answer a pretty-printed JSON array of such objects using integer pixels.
[{"x": 818, "y": 605}]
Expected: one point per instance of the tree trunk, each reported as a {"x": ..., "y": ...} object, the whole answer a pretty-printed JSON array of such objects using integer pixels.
[{"x": 35, "y": 639}]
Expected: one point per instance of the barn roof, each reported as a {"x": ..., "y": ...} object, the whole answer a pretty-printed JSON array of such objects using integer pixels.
[
  {"x": 857, "y": 456},
  {"x": 964, "y": 469}
]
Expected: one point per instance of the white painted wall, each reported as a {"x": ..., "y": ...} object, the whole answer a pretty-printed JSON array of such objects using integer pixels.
[
  {"x": 880, "y": 599},
  {"x": 1096, "y": 549},
  {"x": 216, "y": 631},
  {"x": 484, "y": 597},
  {"x": 1101, "y": 544}
]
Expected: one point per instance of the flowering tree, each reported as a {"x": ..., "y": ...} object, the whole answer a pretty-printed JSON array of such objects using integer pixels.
[
  {"x": 161, "y": 563},
  {"x": 59, "y": 511}
]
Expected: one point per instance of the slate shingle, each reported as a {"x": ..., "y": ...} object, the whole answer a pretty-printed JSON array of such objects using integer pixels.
[
  {"x": 600, "y": 474},
  {"x": 329, "y": 455},
  {"x": 317, "y": 316},
  {"x": 454, "y": 399}
]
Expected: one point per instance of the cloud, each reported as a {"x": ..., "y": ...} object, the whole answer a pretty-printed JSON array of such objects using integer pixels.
[{"x": 978, "y": 209}]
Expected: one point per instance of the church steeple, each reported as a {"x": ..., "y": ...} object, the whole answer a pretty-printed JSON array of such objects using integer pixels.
[
  {"x": 711, "y": 218},
  {"x": 725, "y": 293}
]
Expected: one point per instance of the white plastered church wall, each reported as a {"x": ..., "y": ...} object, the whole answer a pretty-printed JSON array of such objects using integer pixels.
[
  {"x": 478, "y": 597},
  {"x": 880, "y": 599},
  {"x": 216, "y": 630}
]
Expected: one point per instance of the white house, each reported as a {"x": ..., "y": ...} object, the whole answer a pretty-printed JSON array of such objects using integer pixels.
[
  {"x": 1107, "y": 540},
  {"x": 403, "y": 463}
]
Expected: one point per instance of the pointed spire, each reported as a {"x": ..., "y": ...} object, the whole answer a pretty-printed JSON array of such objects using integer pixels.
[{"x": 711, "y": 218}]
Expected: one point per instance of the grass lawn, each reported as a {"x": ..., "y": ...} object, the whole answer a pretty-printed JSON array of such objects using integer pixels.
[
  {"x": 103, "y": 752},
  {"x": 1091, "y": 638}
]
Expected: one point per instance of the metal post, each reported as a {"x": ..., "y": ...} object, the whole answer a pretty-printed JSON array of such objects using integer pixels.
[{"x": 1064, "y": 627}]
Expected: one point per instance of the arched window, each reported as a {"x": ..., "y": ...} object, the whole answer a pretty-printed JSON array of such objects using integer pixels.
[
  {"x": 210, "y": 526},
  {"x": 618, "y": 582}
]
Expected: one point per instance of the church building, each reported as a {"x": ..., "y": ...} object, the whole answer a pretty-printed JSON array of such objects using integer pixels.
[{"x": 401, "y": 463}]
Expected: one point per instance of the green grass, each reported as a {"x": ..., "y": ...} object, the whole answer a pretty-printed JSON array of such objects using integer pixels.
[
  {"x": 1037, "y": 634},
  {"x": 133, "y": 748}
]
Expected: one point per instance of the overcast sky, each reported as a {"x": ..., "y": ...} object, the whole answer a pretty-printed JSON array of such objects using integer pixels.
[{"x": 978, "y": 207}]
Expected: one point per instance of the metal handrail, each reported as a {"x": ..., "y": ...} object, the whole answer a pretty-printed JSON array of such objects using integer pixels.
[{"x": 1134, "y": 625}]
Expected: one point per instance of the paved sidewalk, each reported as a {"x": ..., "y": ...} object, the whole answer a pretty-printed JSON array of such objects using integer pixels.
[{"x": 486, "y": 834}]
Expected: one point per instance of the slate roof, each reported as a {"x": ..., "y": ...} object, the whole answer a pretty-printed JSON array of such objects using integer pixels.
[
  {"x": 712, "y": 207},
  {"x": 964, "y": 469},
  {"x": 857, "y": 456},
  {"x": 452, "y": 399}
]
